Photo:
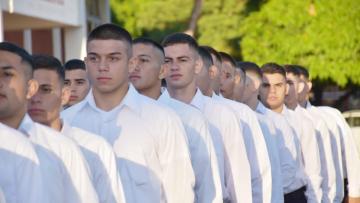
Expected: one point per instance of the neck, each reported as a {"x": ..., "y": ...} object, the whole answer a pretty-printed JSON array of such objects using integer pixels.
[
  {"x": 56, "y": 124},
  {"x": 278, "y": 109},
  {"x": 292, "y": 106},
  {"x": 14, "y": 120},
  {"x": 109, "y": 100},
  {"x": 303, "y": 103},
  {"x": 208, "y": 92},
  {"x": 183, "y": 94},
  {"x": 215, "y": 86},
  {"x": 253, "y": 102},
  {"x": 153, "y": 92}
]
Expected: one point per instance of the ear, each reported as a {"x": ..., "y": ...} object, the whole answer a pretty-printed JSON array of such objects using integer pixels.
[
  {"x": 33, "y": 87},
  {"x": 65, "y": 96},
  {"x": 257, "y": 82},
  {"x": 301, "y": 87},
  {"x": 212, "y": 72},
  {"x": 164, "y": 71},
  {"x": 198, "y": 65},
  {"x": 309, "y": 83},
  {"x": 237, "y": 78},
  {"x": 287, "y": 87},
  {"x": 132, "y": 64}
]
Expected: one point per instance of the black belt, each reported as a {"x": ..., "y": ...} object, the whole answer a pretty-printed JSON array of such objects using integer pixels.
[{"x": 297, "y": 196}]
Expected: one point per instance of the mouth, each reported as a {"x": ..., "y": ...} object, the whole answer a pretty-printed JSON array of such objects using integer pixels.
[
  {"x": 35, "y": 111},
  {"x": 73, "y": 98},
  {"x": 103, "y": 79},
  {"x": 134, "y": 77},
  {"x": 175, "y": 76}
]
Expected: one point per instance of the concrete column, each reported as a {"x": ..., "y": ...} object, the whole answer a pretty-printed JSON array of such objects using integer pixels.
[
  {"x": 27, "y": 40},
  {"x": 56, "y": 42},
  {"x": 75, "y": 37}
]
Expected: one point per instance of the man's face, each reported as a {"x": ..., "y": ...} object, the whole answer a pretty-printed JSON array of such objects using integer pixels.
[
  {"x": 146, "y": 72},
  {"x": 107, "y": 64},
  {"x": 44, "y": 107},
  {"x": 293, "y": 84},
  {"x": 14, "y": 76},
  {"x": 302, "y": 95},
  {"x": 273, "y": 90},
  {"x": 77, "y": 82},
  {"x": 239, "y": 86},
  {"x": 252, "y": 82},
  {"x": 203, "y": 79},
  {"x": 183, "y": 65},
  {"x": 227, "y": 79}
]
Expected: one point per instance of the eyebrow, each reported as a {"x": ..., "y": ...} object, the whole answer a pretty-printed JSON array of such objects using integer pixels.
[
  {"x": 113, "y": 53},
  {"x": 7, "y": 67},
  {"x": 144, "y": 55}
]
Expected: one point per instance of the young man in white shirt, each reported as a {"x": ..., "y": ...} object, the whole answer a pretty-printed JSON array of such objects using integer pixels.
[
  {"x": 20, "y": 174},
  {"x": 344, "y": 152},
  {"x": 181, "y": 55},
  {"x": 272, "y": 93},
  {"x": 254, "y": 140},
  {"x": 307, "y": 135},
  {"x": 146, "y": 77},
  {"x": 148, "y": 140},
  {"x": 45, "y": 106},
  {"x": 64, "y": 170},
  {"x": 76, "y": 80},
  {"x": 246, "y": 90}
]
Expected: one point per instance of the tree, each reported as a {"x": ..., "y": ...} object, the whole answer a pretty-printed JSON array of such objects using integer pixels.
[{"x": 321, "y": 35}]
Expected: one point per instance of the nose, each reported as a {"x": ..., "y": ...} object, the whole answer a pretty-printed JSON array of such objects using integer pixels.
[
  {"x": 35, "y": 99},
  {"x": 103, "y": 66},
  {"x": 272, "y": 89}
]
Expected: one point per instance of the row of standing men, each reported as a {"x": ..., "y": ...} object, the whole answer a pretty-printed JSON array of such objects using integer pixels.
[{"x": 220, "y": 131}]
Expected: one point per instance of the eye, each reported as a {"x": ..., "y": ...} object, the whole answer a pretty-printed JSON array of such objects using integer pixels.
[
  {"x": 144, "y": 60},
  {"x": 93, "y": 59},
  {"x": 81, "y": 82},
  {"x": 183, "y": 60},
  {"x": 227, "y": 75},
  {"x": 67, "y": 83},
  {"x": 167, "y": 61},
  {"x": 113, "y": 58},
  {"x": 45, "y": 90},
  {"x": 8, "y": 74}
]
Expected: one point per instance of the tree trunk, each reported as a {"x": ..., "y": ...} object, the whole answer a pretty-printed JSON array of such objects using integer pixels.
[{"x": 195, "y": 14}]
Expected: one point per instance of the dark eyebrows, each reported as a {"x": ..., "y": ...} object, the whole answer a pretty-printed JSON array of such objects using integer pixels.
[
  {"x": 7, "y": 67},
  {"x": 113, "y": 53}
]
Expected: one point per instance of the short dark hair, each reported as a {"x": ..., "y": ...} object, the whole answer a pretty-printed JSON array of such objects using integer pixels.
[
  {"x": 292, "y": 69},
  {"x": 303, "y": 72},
  {"x": 49, "y": 63},
  {"x": 272, "y": 68},
  {"x": 22, "y": 53},
  {"x": 247, "y": 66},
  {"x": 205, "y": 57},
  {"x": 213, "y": 52},
  {"x": 109, "y": 31},
  {"x": 180, "y": 38},
  {"x": 228, "y": 58},
  {"x": 147, "y": 41},
  {"x": 74, "y": 64}
]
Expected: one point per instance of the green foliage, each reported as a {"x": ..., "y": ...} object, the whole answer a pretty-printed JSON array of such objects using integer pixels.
[
  {"x": 323, "y": 35},
  {"x": 325, "y": 39}
]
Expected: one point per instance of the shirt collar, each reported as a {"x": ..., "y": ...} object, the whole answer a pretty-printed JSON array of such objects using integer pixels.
[
  {"x": 66, "y": 128},
  {"x": 198, "y": 100},
  {"x": 260, "y": 108},
  {"x": 130, "y": 100},
  {"x": 27, "y": 126},
  {"x": 308, "y": 105}
]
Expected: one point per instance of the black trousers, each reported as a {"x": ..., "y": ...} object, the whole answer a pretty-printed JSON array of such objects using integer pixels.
[
  {"x": 346, "y": 192},
  {"x": 298, "y": 196}
]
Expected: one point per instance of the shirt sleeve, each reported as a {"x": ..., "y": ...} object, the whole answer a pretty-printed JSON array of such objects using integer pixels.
[
  {"x": 78, "y": 182},
  {"x": 311, "y": 158},
  {"x": 28, "y": 176},
  {"x": 204, "y": 162},
  {"x": 237, "y": 167},
  {"x": 108, "y": 184},
  {"x": 177, "y": 173}
]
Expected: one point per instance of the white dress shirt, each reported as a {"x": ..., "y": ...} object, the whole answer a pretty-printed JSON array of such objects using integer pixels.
[
  {"x": 256, "y": 149},
  {"x": 230, "y": 148},
  {"x": 350, "y": 155},
  {"x": 65, "y": 172},
  {"x": 102, "y": 163},
  {"x": 291, "y": 166},
  {"x": 305, "y": 130},
  {"x": 269, "y": 132},
  {"x": 2, "y": 196},
  {"x": 149, "y": 142},
  {"x": 20, "y": 174},
  {"x": 336, "y": 192},
  {"x": 327, "y": 157},
  {"x": 203, "y": 155}
]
